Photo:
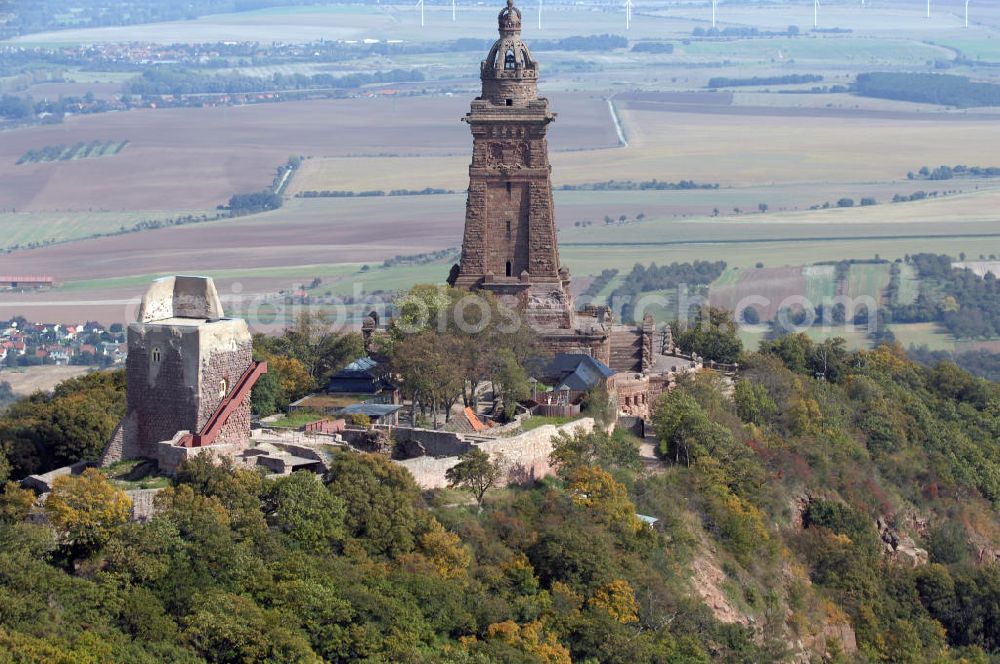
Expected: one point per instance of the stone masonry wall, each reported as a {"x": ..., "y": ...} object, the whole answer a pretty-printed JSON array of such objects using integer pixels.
[
  {"x": 224, "y": 366},
  {"x": 143, "y": 507},
  {"x": 527, "y": 455},
  {"x": 161, "y": 395},
  {"x": 435, "y": 443}
]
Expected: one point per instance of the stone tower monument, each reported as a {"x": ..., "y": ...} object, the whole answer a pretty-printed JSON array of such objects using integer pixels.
[
  {"x": 509, "y": 245},
  {"x": 185, "y": 362}
]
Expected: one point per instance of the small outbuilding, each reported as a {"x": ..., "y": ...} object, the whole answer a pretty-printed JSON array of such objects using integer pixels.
[{"x": 378, "y": 413}]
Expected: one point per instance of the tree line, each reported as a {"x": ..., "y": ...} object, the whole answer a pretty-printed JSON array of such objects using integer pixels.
[
  {"x": 644, "y": 279},
  {"x": 943, "y": 89},
  {"x": 183, "y": 81},
  {"x": 341, "y": 193},
  {"x": 944, "y": 172},
  {"x": 966, "y": 305},
  {"x": 788, "y": 79},
  {"x": 631, "y": 185}
]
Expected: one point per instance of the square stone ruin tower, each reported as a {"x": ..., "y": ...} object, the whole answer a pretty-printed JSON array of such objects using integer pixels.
[{"x": 184, "y": 358}]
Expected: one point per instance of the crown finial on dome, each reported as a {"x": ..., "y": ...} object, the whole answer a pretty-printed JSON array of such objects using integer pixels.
[{"x": 509, "y": 19}]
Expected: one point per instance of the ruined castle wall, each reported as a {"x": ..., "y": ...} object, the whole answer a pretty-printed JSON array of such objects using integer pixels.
[
  {"x": 435, "y": 443},
  {"x": 143, "y": 503},
  {"x": 226, "y": 354},
  {"x": 177, "y": 375},
  {"x": 162, "y": 377},
  {"x": 527, "y": 455}
]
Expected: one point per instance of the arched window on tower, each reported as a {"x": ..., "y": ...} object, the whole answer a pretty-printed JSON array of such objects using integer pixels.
[
  {"x": 510, "y": 269},
  {"x": 508, "y": 60},
  {"x": 157, "y": 356}
]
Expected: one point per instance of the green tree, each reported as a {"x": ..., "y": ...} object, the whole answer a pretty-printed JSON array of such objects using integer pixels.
[
  {"x": 711, "y": 334},
  {"x": 476, "y": 473},
  {"x": 303, "y": 509},
  {"x": 597, "y": 447},
  {"x": 228, "y": 628},
  {"x": 753, "y": 404},
  {"x": 15, "y": 502},
  {"x": 510, "y": 381},
  {"x": 382, "y": 500},
  {"x": 313, "y": 341},
  {"x": 45, "y": 431}
]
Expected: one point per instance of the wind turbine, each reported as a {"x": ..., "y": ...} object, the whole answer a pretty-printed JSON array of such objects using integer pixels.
[
  {"x": 966, "y": 13},
  {"x": 539, "y": 14},
  {"x": 452, "y": 10},
  {"x": 420, "y": 3},
  {"x": 628, "y": 14},
  {"x": 928, "y": 8},
  {"x": 815, "y": 13},
  {"x": 715, "y": 3}
]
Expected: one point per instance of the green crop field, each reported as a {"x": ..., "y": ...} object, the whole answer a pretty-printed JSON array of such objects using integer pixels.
[
  {"x": 856, "y": 337},
  {"x": 975, "y": 49},
  {"x": 27, "y": 228},
  {"x": 909, "y": 285},
  {"x": 923, "y": 334},
  {"x": 820, "y": 282},
  {"x": 868, "y": 280}
]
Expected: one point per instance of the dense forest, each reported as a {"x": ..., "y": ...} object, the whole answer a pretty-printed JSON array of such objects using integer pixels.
[
  {"x": 944, "y": 89},
  {"x": 828, "y": 502},
  {"x": 967, "y": 305},
  {"x": 981, "y": 363}
]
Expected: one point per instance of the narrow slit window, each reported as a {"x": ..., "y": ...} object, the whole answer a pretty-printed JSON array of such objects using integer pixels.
[
  {"x": 157, "y": 356},
  {"x": 510, "y": 269}
]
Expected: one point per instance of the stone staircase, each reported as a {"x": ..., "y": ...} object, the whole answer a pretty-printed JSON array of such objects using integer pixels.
[{"x": 626, "y": 348}]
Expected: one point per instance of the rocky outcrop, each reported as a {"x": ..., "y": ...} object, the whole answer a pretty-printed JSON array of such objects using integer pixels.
[
  {"x": 900, "y": 547},
  {"x": 707, "y": 580}
]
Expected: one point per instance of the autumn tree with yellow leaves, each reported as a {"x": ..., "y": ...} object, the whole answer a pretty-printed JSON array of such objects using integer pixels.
[{"x": 86, "y": 510}]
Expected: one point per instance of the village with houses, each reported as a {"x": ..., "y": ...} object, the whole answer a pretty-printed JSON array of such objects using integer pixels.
[{"x": 29, "y": 344}]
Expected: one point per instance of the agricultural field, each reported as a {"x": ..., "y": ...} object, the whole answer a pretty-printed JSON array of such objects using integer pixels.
[
  {"x": 849, "y": 51},
  {"x": 909, "y": 285},
  {"x": 923, "y": 334},
  {"x": 198, "y": 158},
  {"x": 24, "y": 229},
  {"x": 25, "y": 381},
  {"x": 975, "y": 49},
  {"x": 733, "y": 146},
  {"x": 765, "y": 289},
  {"x": 868, "y": 280},
  {"x": 93, "y": 150},
  {"x": 856, "y": 337},
  {"x": 774, "y": 155}
]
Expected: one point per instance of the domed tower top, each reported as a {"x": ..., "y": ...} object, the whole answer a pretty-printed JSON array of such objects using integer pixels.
[
  {"x": 509, "y": 73},
  {"x": 509, "y": 20}
]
